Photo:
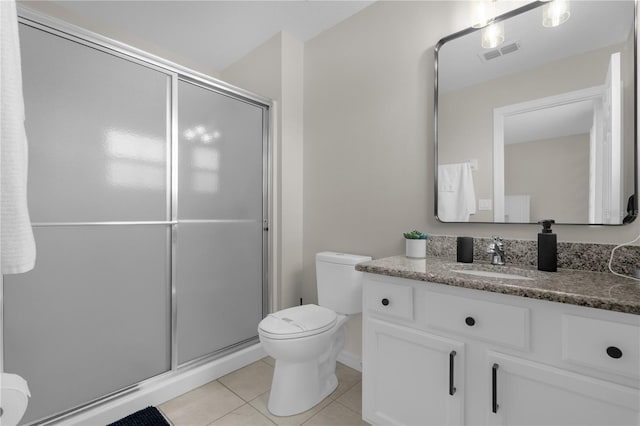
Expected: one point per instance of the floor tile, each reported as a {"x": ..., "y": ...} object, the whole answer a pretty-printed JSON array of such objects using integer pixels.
[
  {"x": 201, "y": 406},
  {"x": 243, "y": 416},
  {"x": 166, "y": 416},
  {"x": 352, "y": 398},
  {"x": 335, "y": 414},
  {"x": 224, "y": 402},
  {"x": 260, "y": 403},
  {"x": 269, "y": 360},
  {"x": 250, "y": 381},
  {"x": 347, "y": 378}
]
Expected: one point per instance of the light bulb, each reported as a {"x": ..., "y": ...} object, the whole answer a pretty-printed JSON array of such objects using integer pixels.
[
  {"x": 493, "y": 35},
  {"x": 482, "y": 12},
  {"x": 555, "y": 13}
]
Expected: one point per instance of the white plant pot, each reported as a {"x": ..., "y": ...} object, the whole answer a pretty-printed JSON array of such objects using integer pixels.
[{"x": 416, "y": 249}]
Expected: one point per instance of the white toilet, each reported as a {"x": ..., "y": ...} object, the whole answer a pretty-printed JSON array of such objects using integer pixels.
[
  {"x": 14, "y": 397},
  {"x": 305, "y": 340}
]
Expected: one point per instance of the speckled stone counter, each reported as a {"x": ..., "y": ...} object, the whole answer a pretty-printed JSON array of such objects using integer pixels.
[
  {"x": 584, "y": 288},
  {"x": 581, "y": 256}
]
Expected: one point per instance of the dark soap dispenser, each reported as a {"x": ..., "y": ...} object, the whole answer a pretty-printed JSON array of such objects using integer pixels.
[{"x": 547, "y": 247}]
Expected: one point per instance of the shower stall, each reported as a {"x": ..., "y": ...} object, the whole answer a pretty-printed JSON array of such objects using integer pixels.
[{"x": 148, "y": 197}]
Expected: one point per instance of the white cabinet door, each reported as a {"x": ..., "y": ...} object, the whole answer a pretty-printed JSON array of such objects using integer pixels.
[
  {"x": 528, "y": 393},
  {"x": 411, "y": 377}
]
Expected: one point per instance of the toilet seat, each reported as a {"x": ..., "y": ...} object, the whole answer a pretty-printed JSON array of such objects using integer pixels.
[
  {"x": 297, "y": 322},
  {"x": 15, "y": 398}
]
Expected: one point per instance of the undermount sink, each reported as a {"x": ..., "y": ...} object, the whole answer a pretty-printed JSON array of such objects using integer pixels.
[{"x": 491, "y": 274}]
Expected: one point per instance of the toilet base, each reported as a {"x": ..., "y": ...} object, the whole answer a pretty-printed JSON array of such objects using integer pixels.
[
  {"x": 290, "y": 397},
  {"x": 299, "y": 386}
]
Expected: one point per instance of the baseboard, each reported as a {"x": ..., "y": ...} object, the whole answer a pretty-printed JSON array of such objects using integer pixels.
[
  {"x": 350, "y": 360},
  {"x": 156, "y": 392}
]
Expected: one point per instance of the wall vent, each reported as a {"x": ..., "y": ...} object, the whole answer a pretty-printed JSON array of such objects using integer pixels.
[{"x": 501, "y": 51}]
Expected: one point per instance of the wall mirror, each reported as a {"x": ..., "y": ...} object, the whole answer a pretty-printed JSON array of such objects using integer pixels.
[{"x": 542, "y": 124}]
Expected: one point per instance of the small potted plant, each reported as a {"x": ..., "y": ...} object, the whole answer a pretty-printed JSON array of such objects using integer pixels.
[{"x": 416, "y": 244}]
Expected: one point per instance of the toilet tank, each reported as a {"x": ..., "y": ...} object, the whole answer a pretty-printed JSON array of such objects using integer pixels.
[{"x": 339, "y": 284}]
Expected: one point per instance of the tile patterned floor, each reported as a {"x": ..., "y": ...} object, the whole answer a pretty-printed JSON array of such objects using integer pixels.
[{"x": 240, "y": 398}]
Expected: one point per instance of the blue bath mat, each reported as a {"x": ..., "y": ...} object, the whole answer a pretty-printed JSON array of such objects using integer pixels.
[{"x": 149, "y": 416}]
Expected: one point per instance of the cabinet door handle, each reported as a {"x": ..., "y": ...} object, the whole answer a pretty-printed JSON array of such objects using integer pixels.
[
  {"x": 494, "y": 388},
  {"x": 385, "y": 302},
  {"x": 614, "y": 352},
  {"x": 452, "y": 389},
  {"x": 470, "y": 321}
]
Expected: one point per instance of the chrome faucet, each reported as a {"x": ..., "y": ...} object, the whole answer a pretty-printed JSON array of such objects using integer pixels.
[{"x": 496, "y": 248}]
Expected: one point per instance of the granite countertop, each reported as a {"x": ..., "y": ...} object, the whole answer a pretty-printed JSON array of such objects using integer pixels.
[{"x": 584, "y": 288}]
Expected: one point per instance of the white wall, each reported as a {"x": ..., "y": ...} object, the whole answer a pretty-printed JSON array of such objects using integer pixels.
[{"x": 368, "y": 154}]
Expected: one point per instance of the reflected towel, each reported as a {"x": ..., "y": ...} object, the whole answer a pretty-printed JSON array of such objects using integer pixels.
[
  {"x": 456, "y": 194},
  {"x": 18, "y": 247}
]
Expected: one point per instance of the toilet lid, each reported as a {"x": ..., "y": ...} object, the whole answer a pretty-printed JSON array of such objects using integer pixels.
[{"x": 299, "y": 321}]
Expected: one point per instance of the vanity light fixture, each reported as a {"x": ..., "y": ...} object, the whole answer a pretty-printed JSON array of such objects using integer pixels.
[
  {"x": 555, "y": 12},
  {"x": 482, "y": 13},
  {"x": 493, "y": 35}
]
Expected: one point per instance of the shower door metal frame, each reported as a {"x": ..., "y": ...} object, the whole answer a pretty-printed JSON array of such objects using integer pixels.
[{"x": 175, "y": 72}]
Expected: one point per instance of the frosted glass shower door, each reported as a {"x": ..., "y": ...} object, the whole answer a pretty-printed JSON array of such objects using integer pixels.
[
  {"x": 94, "y": 316},
  {"x": 91, "y": 318},
  {"x": 97, "y": 125},
  {"x": 220, "y": 209}
]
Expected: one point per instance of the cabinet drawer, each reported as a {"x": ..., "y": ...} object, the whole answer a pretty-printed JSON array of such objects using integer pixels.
[
  {"x": 389, "y": 299},
  {"x": 492, "y": 322},
  {"x": 606, "y": 345}
]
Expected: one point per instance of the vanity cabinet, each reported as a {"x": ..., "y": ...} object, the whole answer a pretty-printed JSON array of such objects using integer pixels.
[
  {"x": 415, "y": 376},
  {"x": 438, "y": 355},
  {"x": 536, "y": 394}
]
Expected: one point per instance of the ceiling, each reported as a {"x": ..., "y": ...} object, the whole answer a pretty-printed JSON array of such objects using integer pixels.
[{"x": 212, "y": 33}]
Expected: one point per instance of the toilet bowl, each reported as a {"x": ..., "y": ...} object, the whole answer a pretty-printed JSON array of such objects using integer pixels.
[
  {"x": 14, "y": 398},
  {"x": 305, "y": 357},
  {"x": 305, "y": 340}
]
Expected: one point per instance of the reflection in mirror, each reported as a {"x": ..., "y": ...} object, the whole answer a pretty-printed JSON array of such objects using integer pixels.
[{"x": 543, "y": 125}]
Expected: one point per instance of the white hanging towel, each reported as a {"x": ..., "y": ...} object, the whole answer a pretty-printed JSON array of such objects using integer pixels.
[
  {"x": 17, "y": 249},
  {"x": 456, "y": 194}
]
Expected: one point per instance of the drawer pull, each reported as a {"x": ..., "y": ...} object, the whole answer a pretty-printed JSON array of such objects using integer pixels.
[
  {"x": 470, "y": 321},
  {"x": 494, "y": 388},
  {"x": 385, "y": 302},
  {"x": 614, "y": 352},
  {"x": 452, "y": 389}
]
